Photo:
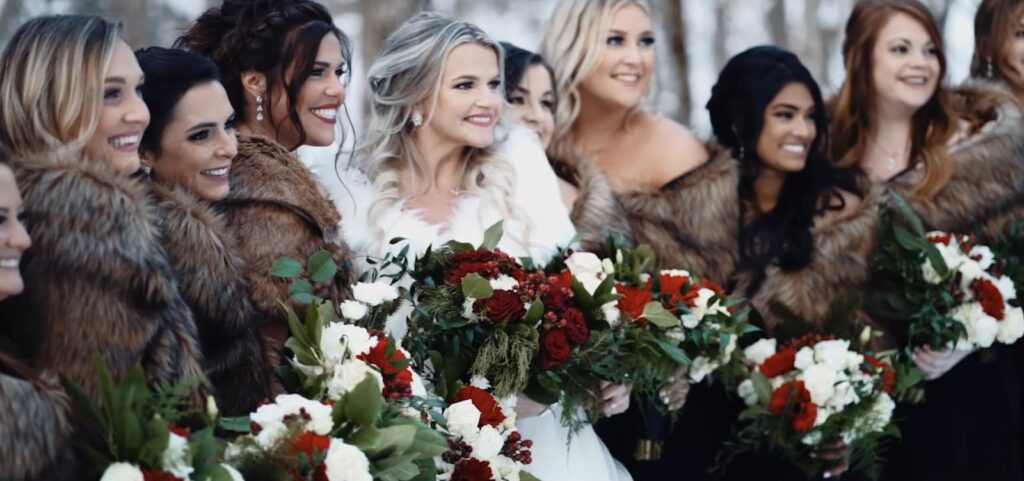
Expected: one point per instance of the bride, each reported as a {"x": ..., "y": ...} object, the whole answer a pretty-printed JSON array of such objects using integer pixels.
[{"x": 433, "y": 171}]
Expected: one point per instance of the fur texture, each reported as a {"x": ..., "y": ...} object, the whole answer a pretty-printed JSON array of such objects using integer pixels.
[
  {"x": 277, "y": 209},
  {"x": 34, "y": 429},
  {"x": 596, "y": 212},
  {"x": 693, "y": 221},
  {"x": 840, "y": 265},
  {"x": 97, "y": 279},
  {"x": 987, "y": 185},
  {"x": 212, "y": 281}
]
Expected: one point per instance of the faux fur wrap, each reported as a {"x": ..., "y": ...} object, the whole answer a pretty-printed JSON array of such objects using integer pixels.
[
  {"x": 277, "y": 209},
  {"x": 34, "y": 429},
  {"x": 596, "y": 212},
  {"x": 843, "y": 245},
  {"x": 211, "y": 278},
  {"x": 97, "y": 279},
  {"x": 987, "y": 185},
  {"x": 693, "y": 221}
]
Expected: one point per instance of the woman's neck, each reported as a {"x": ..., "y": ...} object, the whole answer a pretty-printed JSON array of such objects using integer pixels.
[
  {"x": 440, "y": 162},
  {"x": 598, "y": 124},
  {"x": 262, "y": 129},
  {"x": 767, "y": 189},
  {"x": 889, "y": 145}
]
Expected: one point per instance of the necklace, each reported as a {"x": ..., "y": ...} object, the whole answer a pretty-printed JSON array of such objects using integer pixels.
[{"x": 893, "y": 159}]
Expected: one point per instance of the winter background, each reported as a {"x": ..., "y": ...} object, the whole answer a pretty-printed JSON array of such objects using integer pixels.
[{"x": 694, "y": 37}]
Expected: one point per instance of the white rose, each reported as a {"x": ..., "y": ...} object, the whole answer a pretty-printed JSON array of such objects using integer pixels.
[
  {"x": 122, "y": 472},
  {"x": 486, "y": 444},
  {"x": 232, "y": 472},
  {"x": 804, "y": 358},
  {"x": 747, "y": 392},
  {"x": 320, "y": 421},
  {"x": 844, "y": 395},
  {"x": 590, "y": 282},
  {"x": 354, "y": 310},
  {"x": 175, "y": 457},
  {"x": 345, "y": 462},
  {"x": 985, "y": 330},
  {"x": 271, "y": 434},
  {"x": 967, "y": 314},
  {"x": 504, "y": 469},
  {"x": 985, "y": 255},
  {"x": 1012, "y": 326},
  {"x": 832, "y": 353},
  {"x": 348, "y": 375},
  {"x": 504, "y": 283},
  {"x": 854, "y": 361},
  {"x": 1006, "y": 287},
  {"x": 820, "y": 381},
  {"x": 757, "y": 352},
  {"x": 701, "y": 367},
  {"x": 611, "y": 313},
  {"x": 375, "y": 293},
  {"x": 580, "y": 263},
  {"x": 340, "y": 341},
  {"x": 463, "y": 418},
  {"x": 970, "y": 271}
]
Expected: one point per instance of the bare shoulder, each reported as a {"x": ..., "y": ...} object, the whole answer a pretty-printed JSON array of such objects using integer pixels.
[{"x": 670, "y": 148}]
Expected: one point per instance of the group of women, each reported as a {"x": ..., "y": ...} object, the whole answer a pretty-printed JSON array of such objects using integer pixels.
[{"x": 143, "y": 198}]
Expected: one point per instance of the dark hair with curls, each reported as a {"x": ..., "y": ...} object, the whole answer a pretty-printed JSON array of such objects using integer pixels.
[
  {"x": 995, "y": 25},
  {"x": 747, "y": 85},
  {"x": 278, "y": 38},
  {"x": 170, "y": 74},
  {"x": 517, "y": 62}
]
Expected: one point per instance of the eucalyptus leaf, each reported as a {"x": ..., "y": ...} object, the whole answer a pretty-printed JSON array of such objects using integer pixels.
[
  {"x": 364, "y": 402},
  {"x": 286, "y": 267},
  {"x": 476, "y": 287},
  {"x": 321, "y": 266},
  {"x": 659, "y": 316},
  {"x": 492, "y": 236},
  {"x": 534, "y": 313}
]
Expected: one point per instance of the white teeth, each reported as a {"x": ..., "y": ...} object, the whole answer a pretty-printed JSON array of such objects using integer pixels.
[
  {"x": 125, "y": 140},
  {"x": 9, "y": 263},
  {"x": 480, "y": 119},
  {"x": 627, "y": 77},
  {"x": 215, "y": 172},
  {"x": 794, "y": 148},
  {"x": 326, "y": 114},
  {"x": 916, "y": 80}
]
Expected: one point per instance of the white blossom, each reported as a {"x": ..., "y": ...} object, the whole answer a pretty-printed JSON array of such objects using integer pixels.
[
  {"x": 1011, "y": 327},
  {"x": 345, "y": 462},
  {"x": 580, "y": 263},
  {"x": 804, "y": 358},
  {"x": 354, "y": 310},
  {"x": 701, "y": 367},
  {"x": 820, "y": 382},
  {"x": 486, "y": 443},
  {"x": 463, "y": 418},
  {"x": 504, "y": 283},
  {"x": 349, "y": 375},
  {"x": 832, "y": 353},
  {"x": 611, "y": 313},
  {"x": 122, "y": 472},
  {"x": 374, "y": 293},
  {"x": 757, "y": 352},
  {"x": 747, "y": 392},
  {"x": 175, "y": 457}
]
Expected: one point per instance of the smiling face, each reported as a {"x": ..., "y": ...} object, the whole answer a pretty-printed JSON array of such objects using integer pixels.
[
  {"x": 123, "y": 117},
  {"x": 13, "y": 237},
  {"x": 532, "y": 102},
  {"x": 1013, "y": 54},
  {"x": 623, "y": 74},
  {"x": 468, "y": 101},
  {"x": 905, "y": 65},
  {"x": 788, "y": 130},
  {"x": 198, "y": 144},
  {"x": 318, "y": 100}
]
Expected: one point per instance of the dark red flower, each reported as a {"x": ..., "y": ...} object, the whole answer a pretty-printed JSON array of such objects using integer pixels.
[
  {"x": 886, "y": 375},
  {"x": 158, "y": 475},
  {"x": 941, "y": 238},
  {"x": 633, "y": 300},
  {"x": 180, "y": 431},
  {"x": 554, "y": 348},
  {"x": 490, "y": 411},
  {"x": 575, "y": 326},
  {"x": 487, "y": 270},
  {"x": 472, "y": 470},
  {"x": 803, "y": 413},
  {"x": 779, "y": 363},
  {"x": 502, "y": 305},
  {"x": 311, "y": 443},
  {"x": 378, "y": 356},
  {"x": 672, "y": 289},
  {"x": 990, "y": 298}
]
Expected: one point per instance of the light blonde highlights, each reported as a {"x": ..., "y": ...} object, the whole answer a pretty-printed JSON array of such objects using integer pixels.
[{"x": 51, "y": 90}]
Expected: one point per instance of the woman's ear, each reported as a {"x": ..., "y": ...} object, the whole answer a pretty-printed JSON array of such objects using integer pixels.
[{"x": 254, "y": 83}]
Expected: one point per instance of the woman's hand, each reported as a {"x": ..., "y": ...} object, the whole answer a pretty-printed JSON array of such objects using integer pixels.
[
  {"x": 675, "y": 392},
  {"x": 615, "y": 398},
  {"x": 528, "y": 408},
  {"x": 936, "y": 363},
  {"x": 838, "y": 453}
]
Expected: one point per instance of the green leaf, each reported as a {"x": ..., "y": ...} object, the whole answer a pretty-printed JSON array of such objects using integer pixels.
[
  {"x": 398, "y": 468},
  {"x": 397, "y": 438},
  {"x": 492, "y": 236},
  {"x": 659, "y": 316},
  {"x": 322, "y": 267},
  {"x": 364, "y": 401},
  {"x": 286, "y": 267},
  {"x": 534, "y": 313},
  {"x": 240, "y": 424},
  {"x": 762, "y": 387},
  {"x": 673, "y": 351},
  {"x": 525, "y": 476},
  {"x": 303, "y": 298},
  {"x": 300, "y": 286},
  {"x": 476, "y": 287},
  {"x": 366, "y": 439}
]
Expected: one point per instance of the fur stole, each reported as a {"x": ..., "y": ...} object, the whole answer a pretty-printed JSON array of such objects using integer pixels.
[
  {"x": 34, "y": 429},
  {"x": 596, "y": 212},
  {"x": 986, "y": 189},
  {"x": 693, "y": 221},
  {"x": 277, "y": 209},
  {"x": 840, "y": 266},
  {"x": 97, "y": 279},
  {"x": 212, "y": 281}
]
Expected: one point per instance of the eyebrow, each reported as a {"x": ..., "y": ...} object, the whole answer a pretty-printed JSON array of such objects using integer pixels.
[
  {"x": 624, "y": 33},
  {"x": 204, "y": 125},
  {"x": 522, "y": 89},
  {"x": 786, "y": 106}
]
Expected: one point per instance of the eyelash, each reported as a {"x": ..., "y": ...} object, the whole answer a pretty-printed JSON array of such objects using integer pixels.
[
  {"x": 22, "y": 218},
  {"x": 516, "y": 100},
  {"x": 619, "y": 40}
]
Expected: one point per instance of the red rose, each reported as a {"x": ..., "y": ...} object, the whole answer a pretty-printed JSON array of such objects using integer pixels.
[
  {"x": 885, "y": 373},
  {"x": 990, "y": 298},
  {"x": 158, "y": 475},
  {"x": 779, "y": 363},
  {"x": 472, "y": 469},
  {"x": 633, "y": 299},
  {"x": 575, "y": 326},
  {"x": 490, "y": 411},
  {"x": 311, "y": 443},
  {"x": 804, "y": 411},
  {"x": 672, "y": 287},
  {"x": 502, "y": 305},
  {"x": 554, "y": 348},
  {"x": 378, "y": 356},
  {"x": 486, "y": 270}
]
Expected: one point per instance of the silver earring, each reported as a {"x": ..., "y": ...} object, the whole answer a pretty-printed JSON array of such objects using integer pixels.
[
  {"x": 988, "y": 68},
  {"x": 741, "y": 152},
  {"x": 147, "y": 171},
  {"x": 416, "y": 119},
  {"x": 259, "y": 108}
]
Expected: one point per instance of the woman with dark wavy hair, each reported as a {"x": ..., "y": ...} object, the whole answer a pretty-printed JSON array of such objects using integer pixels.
[
  {"x": 283, "y": 65},
  {"x": 807, "y": 226}
]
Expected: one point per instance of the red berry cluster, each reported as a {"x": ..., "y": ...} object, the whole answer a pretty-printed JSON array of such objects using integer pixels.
[
  {"x": 457, "y": 451},
  {"x": 809, "y": 339},
  {"x": 518, "y": 449}
]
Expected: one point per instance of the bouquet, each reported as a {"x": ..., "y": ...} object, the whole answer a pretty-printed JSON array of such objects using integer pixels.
[
  {"x": 482, "y": 438},
  {"x": 810, "y": 391}
]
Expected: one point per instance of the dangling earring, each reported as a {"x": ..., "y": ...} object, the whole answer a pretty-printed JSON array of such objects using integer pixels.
[
  {"x": 741, "y": 152},
  {"x": 416, "y": 119},
  {"x": 259, "y": 108},
  {"x": 147, "y": 172},
  {"x": 988, "y": 68}
]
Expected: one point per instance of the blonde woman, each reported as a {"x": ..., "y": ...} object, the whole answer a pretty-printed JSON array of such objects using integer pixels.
[
  {"x": 436, "y": 170},
  {"x": 96, "y": 277}
]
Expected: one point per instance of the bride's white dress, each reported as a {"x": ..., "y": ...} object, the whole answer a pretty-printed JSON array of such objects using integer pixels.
[{"x": 545, "y": 228}]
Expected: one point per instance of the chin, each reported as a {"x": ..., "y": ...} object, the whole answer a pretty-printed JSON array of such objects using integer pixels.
[
  {"x": 480, "y": 142},
  {"x": 11, "y": 286}
]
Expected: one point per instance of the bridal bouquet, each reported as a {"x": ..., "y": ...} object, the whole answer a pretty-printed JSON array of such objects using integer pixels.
[
  {"x": 482, "y": 439},
  {"x": 810, "y": 391},
  {"x": 952, "y": 290}
]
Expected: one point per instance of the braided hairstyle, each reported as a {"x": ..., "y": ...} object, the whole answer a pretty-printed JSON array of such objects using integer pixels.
[{"x": 277, "y": 38}]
